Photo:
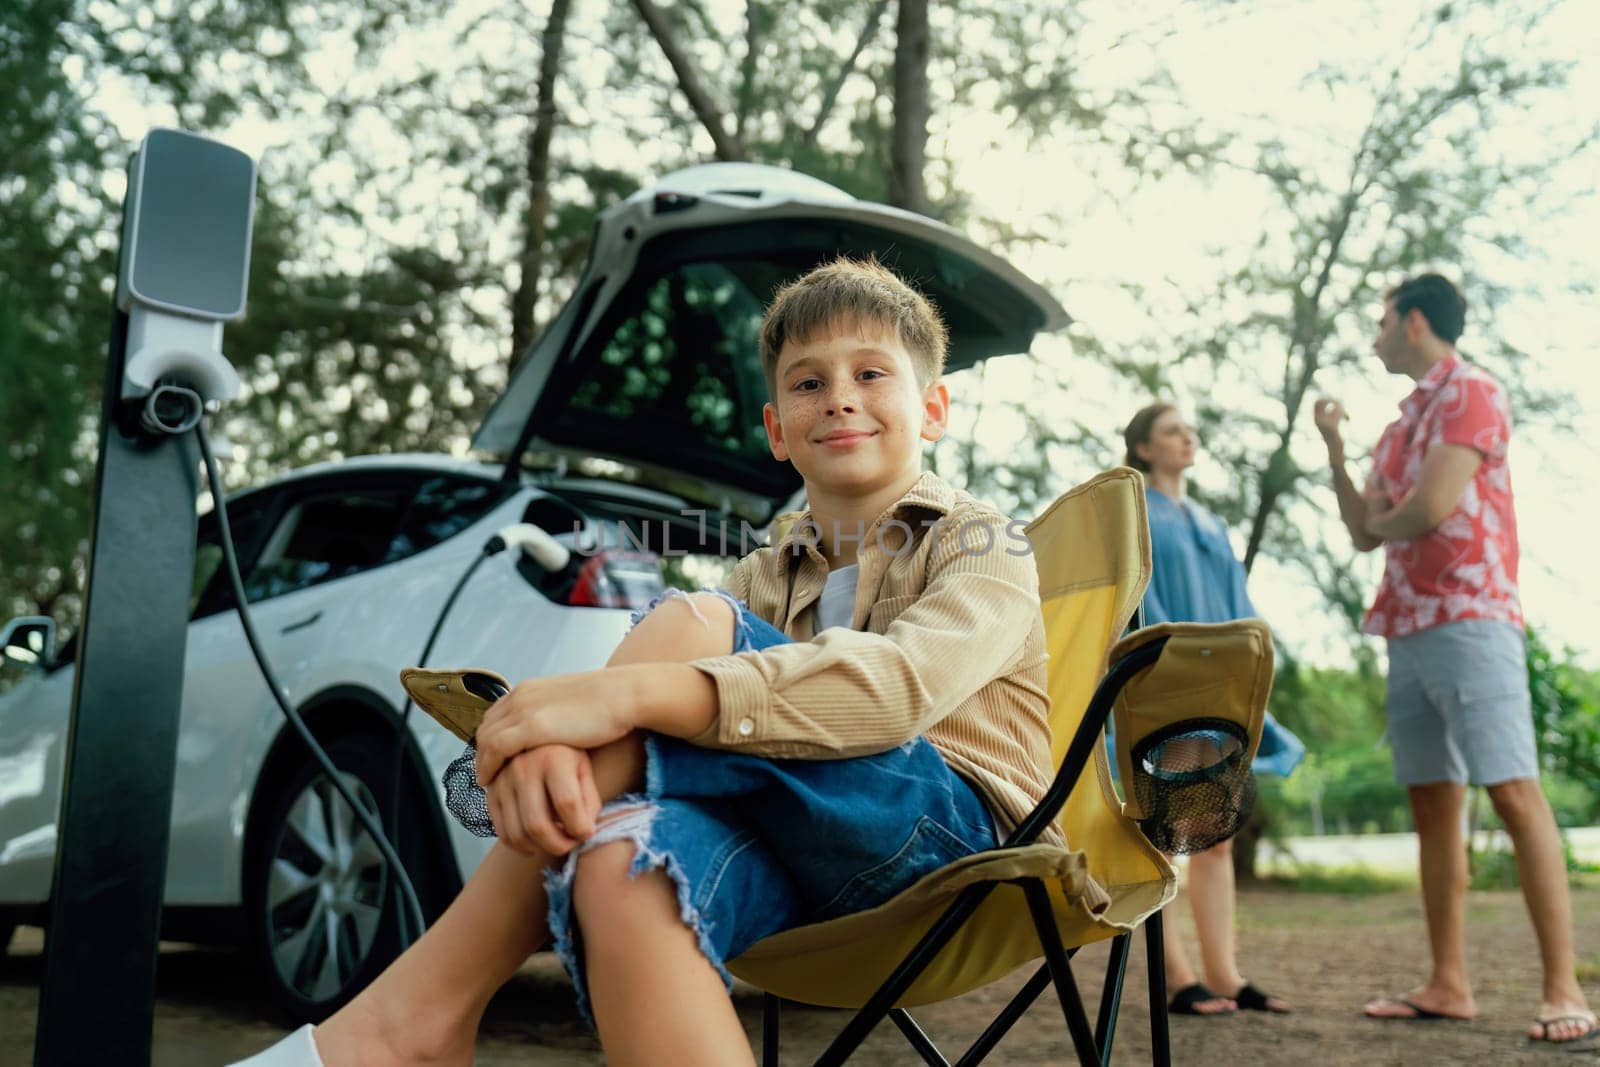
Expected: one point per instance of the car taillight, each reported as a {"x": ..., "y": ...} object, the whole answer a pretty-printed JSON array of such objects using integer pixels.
[{"x": 617, "y": 579}]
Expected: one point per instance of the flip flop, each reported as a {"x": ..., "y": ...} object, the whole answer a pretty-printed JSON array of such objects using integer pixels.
[
  {"x": 1251, "y": 998},
  {"x": 1184, "y": 1001},
  {"x": 1588, "y": 1041},
  {"x": 1419, "y": 1014}
]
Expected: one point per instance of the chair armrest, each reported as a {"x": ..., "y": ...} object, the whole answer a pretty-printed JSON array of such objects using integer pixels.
[{"x": 1087, "y": 735}]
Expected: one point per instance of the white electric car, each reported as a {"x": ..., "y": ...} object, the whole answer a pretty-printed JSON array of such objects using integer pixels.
[{"x": 634, "y": 422}]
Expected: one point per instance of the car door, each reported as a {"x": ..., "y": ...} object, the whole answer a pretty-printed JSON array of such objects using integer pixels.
[
  {"x": 33, "y": 739},
  {"x": 318, "y": 538},
  {"x": 337, "y": 605}
]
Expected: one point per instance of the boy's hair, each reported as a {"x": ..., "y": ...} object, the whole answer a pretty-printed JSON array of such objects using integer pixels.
[
  {"x": 1440, "y": 302},
  {"x": 860, "y": 290}
]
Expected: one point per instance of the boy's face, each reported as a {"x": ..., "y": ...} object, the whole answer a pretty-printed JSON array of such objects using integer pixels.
[{"x": 849, "y": 413}]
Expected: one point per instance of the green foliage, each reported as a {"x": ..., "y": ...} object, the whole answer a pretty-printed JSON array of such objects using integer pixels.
[
  {"x": 1496, "y": 868},
  {"x": 1353, "y": 880},
  {"x": 1566, "y": 718},
  {"x": 1346, "y": 782}
]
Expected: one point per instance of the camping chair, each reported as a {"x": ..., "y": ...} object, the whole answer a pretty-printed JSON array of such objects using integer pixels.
[{"x": 1187, "y": 701}]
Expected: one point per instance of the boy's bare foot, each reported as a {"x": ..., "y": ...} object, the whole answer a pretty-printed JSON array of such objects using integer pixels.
[
  {"x": 1427, "y": 1002},
  {"x": 360, "y": 1035},
  {"x": 1560, "y": 1023}
]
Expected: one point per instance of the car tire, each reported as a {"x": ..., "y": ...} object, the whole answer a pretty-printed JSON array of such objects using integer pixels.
[{"x": 322, "y": 907}]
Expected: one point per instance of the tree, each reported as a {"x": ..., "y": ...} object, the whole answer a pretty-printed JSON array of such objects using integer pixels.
[{"x": 536, "y": 225}]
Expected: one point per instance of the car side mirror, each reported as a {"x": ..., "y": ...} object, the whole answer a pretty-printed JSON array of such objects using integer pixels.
[{"x": 29, "y": 641}]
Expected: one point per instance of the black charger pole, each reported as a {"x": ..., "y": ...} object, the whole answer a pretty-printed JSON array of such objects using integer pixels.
[{"x": 180, "y": 274}]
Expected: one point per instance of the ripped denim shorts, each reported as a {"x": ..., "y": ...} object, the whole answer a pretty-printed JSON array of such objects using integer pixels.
[{"x": 756, "y": 845}]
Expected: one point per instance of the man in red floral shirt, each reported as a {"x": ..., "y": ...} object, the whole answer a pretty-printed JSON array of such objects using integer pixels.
[{"x": 1439, "y": 503}]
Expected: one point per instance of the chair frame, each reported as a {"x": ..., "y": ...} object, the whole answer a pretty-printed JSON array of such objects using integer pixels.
[{"x": 1093, "y": 1047}]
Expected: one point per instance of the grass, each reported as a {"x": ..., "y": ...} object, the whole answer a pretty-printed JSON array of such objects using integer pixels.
[{"x": 1352, "y": 880}]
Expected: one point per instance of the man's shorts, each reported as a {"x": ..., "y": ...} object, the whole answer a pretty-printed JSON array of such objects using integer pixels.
[
  {"x": 1458, "y": 704},
  {"x": 756, "y": 845}
]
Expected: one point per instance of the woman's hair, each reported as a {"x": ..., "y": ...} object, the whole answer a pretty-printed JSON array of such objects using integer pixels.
[{"x": 1139, "y": 431}]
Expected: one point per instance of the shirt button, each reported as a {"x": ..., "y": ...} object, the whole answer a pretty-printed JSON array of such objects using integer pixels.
[{"x": 746, "y": 727}]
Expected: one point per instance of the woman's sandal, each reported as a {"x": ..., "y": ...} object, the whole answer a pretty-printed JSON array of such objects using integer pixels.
[
  {"x": 1185, "y": 1001},
  {"x": 1250, "y": 998}
]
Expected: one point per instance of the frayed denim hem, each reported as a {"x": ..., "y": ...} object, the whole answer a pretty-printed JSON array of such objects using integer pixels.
[
  {"x": 742, "y": 634},
  {"x": 633, "y": 817}
]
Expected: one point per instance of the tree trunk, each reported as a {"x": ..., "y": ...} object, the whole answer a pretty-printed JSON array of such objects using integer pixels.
[
  {"x": 909, "y": 143},
  {"x": 727, "y": 145},
  {"x": 535, "y": 230}
]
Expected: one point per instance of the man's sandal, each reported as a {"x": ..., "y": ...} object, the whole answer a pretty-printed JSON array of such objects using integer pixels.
[
  {"x": 1251, "y": 998},
  {"x": 1588, "y": 1041},
  {"x": 1419, "y": 1014},
  {"x": 1186, "y": 1001}
]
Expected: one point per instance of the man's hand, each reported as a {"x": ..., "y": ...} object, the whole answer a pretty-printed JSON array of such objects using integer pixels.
[
  {"x": 1355, "y": 506},
  {"x": 581, "y": 710},
  {"x": 1328, "y": 413},
  {"x": 544, "y": 802}
]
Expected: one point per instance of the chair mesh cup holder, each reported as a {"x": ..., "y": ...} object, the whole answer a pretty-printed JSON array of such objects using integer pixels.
[{"x": 1193, "y": 784}]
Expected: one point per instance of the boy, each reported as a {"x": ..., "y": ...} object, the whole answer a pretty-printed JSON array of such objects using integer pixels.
[{"x": 882, "y": 713}]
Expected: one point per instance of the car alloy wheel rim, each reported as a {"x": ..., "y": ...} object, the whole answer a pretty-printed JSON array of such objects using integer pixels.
[{"x": 325, "y": 890}]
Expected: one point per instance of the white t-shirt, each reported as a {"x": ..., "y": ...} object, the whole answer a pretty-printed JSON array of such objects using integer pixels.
[{"x": 838, "y": 602}]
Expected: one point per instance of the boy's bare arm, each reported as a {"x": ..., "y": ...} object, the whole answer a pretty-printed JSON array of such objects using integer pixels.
[{"x": 595, "y": 708}]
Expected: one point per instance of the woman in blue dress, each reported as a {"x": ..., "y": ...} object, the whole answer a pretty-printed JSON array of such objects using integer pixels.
[{"x": 1195, "y": 577}]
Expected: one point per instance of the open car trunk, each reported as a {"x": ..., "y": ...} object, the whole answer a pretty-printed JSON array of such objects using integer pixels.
[{"x": 654, "y": 363}]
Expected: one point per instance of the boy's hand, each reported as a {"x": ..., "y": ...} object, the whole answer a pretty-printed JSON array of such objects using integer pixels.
[
  {"x": 544, "y": 802},
  {"x": 581, "y": 710}
]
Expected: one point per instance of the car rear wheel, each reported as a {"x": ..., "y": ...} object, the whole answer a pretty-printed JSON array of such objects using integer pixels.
[{"x": 321, "y": 899}]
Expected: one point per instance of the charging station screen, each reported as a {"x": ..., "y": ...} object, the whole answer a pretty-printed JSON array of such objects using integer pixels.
[{"x": 191, "y": 240}]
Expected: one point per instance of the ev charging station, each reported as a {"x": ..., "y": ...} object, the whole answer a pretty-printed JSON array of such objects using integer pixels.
[{"x": 182, "y": 272}]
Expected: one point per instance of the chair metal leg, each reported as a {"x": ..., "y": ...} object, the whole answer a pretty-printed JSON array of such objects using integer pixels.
[
  {"x": 1105, "y": 1026},
  {"x": 918, "y": 1038},
  {"x": 1155, "y": 950},
  {"x": 771, "y": 1008},
  {"x": 938, "y": 935},
  {"x": 1055, "y": 956},
  {"x": 1006, "y": 1019}
]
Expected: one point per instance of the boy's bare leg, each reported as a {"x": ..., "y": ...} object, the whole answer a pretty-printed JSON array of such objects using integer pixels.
[
  {"x": 426, "y": 1006},
  {"x": 656, "y": 998},
  {"x": 1542, "y": 869},
  {"x": 1442, "y": 860}
]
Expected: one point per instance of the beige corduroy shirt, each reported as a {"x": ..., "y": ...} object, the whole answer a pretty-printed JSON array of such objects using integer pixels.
[{"x": 946, "y": 641}]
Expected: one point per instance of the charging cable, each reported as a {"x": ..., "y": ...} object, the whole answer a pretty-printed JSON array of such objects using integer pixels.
[
  {"x": 174, "y": 410},
  {"x": 545, "y": 550},
  {"x": 412, "y": 912}
]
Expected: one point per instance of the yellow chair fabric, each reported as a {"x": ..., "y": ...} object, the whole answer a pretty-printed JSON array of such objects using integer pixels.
[{"x": 1092, "y": 551}]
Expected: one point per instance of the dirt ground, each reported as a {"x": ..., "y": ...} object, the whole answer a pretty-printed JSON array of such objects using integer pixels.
[{"x": 1327, "y": 953}]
